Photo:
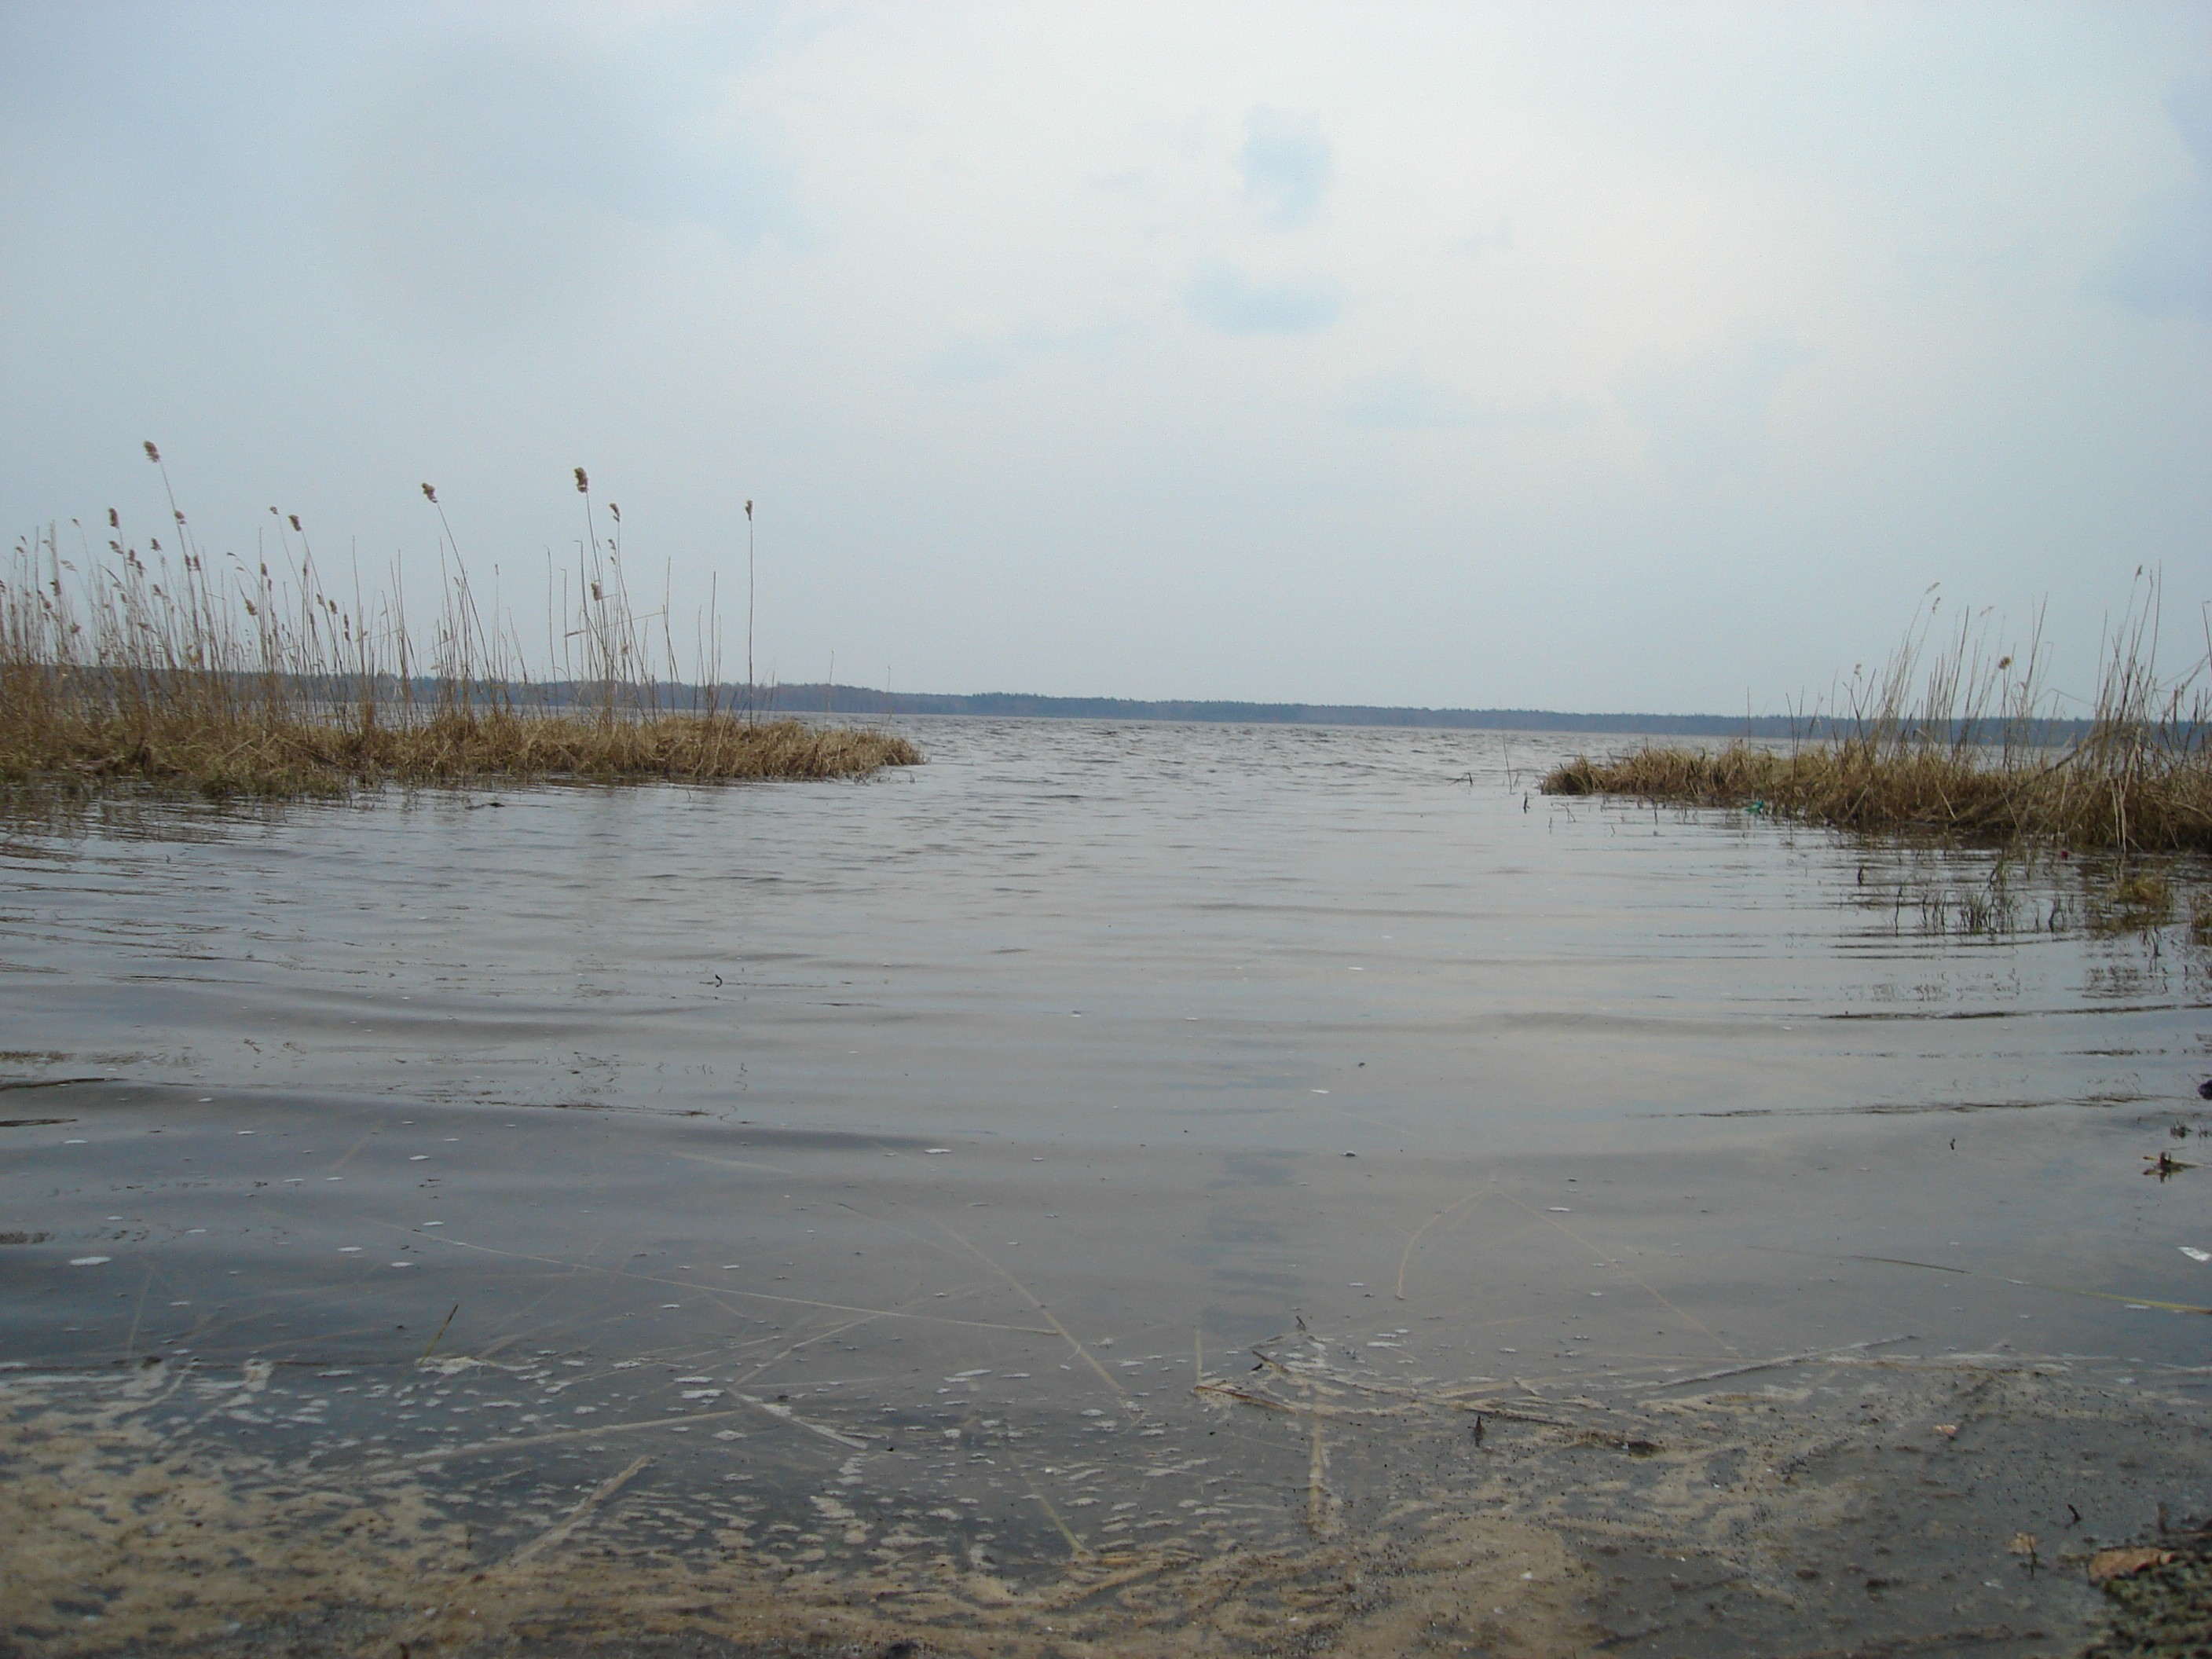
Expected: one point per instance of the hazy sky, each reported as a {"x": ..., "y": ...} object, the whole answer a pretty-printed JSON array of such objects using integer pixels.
[{"x": 1650, "y": 357}]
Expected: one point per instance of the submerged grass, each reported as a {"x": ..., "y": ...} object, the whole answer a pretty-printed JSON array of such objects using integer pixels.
[
  {"x": 170, "y": 670},
  {"x": 1959, "y": 755}
]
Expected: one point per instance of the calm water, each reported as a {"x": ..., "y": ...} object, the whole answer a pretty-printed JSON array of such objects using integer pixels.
[
  {"x": 1099, "y": 933},
  {"x": 1011, "y": 1097}
]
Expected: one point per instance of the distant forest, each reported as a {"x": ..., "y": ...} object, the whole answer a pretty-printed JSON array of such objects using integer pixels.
[{"x": 869, "y": 701}]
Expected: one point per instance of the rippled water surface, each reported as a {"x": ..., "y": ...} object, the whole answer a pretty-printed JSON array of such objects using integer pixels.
[{"x": 971, "y": 1151}]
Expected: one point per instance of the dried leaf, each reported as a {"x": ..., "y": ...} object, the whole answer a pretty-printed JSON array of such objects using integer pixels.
[{"x": 2106, "y": 1565}]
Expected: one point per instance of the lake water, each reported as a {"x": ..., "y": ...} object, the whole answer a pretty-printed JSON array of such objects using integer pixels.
[{"x": 996, "y": 1196}]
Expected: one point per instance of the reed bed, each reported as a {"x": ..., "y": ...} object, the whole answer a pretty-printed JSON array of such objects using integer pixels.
[
  {"x": 167, "y": 668},
  {"x": 1954, "y": 744},
  {"x": 75, "y": 743}
]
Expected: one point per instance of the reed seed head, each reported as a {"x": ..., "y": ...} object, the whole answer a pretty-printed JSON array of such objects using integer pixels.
[
  {"x": 152, "y": 453},
  {"x": 583, "y": 484},
  {"x": 177, "y": 696}
]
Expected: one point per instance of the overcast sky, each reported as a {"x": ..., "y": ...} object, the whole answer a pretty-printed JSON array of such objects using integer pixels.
[{"x": 1642, "y": 357}]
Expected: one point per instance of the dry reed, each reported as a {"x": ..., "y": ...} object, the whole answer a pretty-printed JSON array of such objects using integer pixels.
[
  {"x": 1956, "y": 745},
  {"x": 166, "y": 668}
]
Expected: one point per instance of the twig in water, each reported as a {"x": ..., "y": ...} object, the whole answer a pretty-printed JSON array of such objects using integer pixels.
[
  {"x": 1317, "y": 1507},
  {"x": 559, "y": 1534},
  {"x": 1769, "y": 1365},
  {"x": 2025, "y": 1283}
]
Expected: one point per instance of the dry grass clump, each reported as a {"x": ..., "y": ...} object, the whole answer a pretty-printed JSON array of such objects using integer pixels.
[
  {"x": 2143, "y": 894},
  {"x": 2162, "y": 803},
  {"x": 252, "y": 753},
  {"x": 1962, "y": 758},
  {"x": 165, "y": 669}
]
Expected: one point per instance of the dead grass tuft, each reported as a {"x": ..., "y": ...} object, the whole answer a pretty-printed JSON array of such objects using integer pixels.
[
  {"x": 2143, "y": 896},
  {"x": 1958, "y": 757},
  {"x": 83, "y": 748}
]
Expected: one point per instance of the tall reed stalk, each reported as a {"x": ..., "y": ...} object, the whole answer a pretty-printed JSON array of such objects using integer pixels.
[
  {"x": 1956, "y": 741},
  {"x": 168, "y": 666}
]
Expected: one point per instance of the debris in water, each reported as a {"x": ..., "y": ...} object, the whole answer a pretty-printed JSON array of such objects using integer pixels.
[{"x": 2107, "y": 1564}]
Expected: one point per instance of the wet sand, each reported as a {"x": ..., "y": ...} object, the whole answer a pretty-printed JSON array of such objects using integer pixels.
[{"x": 1618, "y": 1283}]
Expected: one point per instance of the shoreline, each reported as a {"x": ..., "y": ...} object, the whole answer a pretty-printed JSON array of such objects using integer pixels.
[{"x": 288, "y": 1445}]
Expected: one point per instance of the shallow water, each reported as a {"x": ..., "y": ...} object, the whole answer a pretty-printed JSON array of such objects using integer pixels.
[{"x": 1104, "y": 1143}]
